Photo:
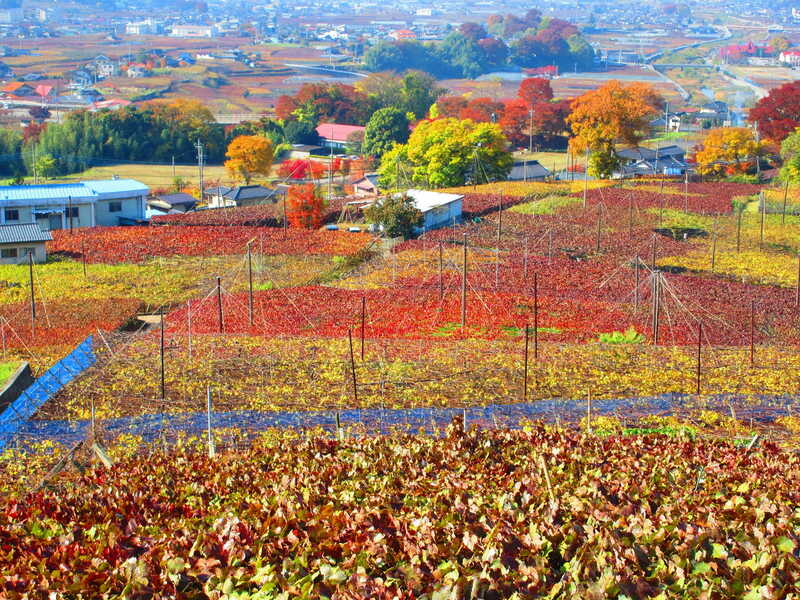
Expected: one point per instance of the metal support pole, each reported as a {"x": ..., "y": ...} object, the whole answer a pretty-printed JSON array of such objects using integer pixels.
[{"x": 219, "y": 305}]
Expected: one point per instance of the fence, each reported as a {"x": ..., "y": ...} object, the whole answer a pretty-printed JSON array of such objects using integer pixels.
[{"x": 15, "y": 417}]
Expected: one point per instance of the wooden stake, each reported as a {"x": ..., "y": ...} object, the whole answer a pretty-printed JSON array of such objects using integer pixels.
[
  {"x": 525, "y": 371},
  {"x": 163, "y": 379},
  {"x": 441, "y": 273},
  {"x": 83, "y": 254},
  {"x": 536, "y": 317},
  {"x": 654, "y": 251},
  {"x": 219, "y": 305},
  {"x": 636, "y": 288},
  {"x": 543, "y": 465},
  {"x": 33, "y": 293},
  {"x": 353, "y": 366},
  {"x": 589, "y": 411},
  {"x": 752, "y": 333},
  {"x": 211, "y": 449},
  {"x": 714, "y": 250},
  {"x": 363, "y": 323},
  {"x": 464, "y": 287},
  {"x": 763, "y": 214},
  {"x": 189, "y": 325},
  {"x": 699, "y": 350},
  {"x": 525, "y": 263},
  {"x": 739, "y": 229},
  {"x": 597, "y": 245},
  {"x": 785, "y": 197},
  {"x": 250, "y": 284},
  {"x": 586, "y": 178},
  {"x": 656, "y": 304},
  {"x": 499, "y": 219},
  {"x": 686, "y": 192},
  {"x": 797, "y": 285},
  {"x": 285, "y": 220}
]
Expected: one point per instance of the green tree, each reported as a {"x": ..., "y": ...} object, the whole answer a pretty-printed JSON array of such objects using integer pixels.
[
  {"x": 301, "y": 132},
  {"x": 45, "y": 166},
  {"x": 397, "y": 214},
  {"x": 386, "y": 127},
  {"x": 11, "y": 151},
  {"x": 790, "y": 154},
  {"x": 448, "y": 152}
]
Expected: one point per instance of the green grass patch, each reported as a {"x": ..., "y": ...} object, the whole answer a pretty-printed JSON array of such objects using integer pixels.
[
  {"x": 672, "y": 218},
  {"x": 513, "y": 331},
  {"x": 546, "y": 206},
  {"x": 629, "y": 336},
  {"x": 7, "y": 369}
]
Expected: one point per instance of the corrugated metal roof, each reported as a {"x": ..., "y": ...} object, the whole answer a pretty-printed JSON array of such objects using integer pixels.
[
  {"x": 116, "y": 186},
  {"x": 23, "y": 233},
  {"x": 337, "y": 132},
  {"x": 426, "y": 200},
  {"x": 85, "y": 190},
  {"x": 55, "y": 191}
]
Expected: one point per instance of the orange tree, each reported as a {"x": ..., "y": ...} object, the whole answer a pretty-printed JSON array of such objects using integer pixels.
[
  {"x": 728, "y": 150},
  {"x": 305, "y": 206},
  {"x": 249, "y": 155},
  {"x": 613, "y": 113}
]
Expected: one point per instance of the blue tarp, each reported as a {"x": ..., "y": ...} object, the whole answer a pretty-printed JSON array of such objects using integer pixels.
[
  {"x": 17, "y": 414},
  {"x": 151, "y": 427}
]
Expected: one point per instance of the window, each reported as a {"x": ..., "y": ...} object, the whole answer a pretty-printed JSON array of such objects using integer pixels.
[
  {"x": 72, "y": 212},
  {"x": 12, "y": 214},
  {"x": 27, "y": 251},
  {"x": 115, "y": 207},
  {"x": 8, "y": 253}
]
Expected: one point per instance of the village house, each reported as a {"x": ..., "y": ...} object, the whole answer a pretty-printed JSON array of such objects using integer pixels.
[
  {"x": 669, "y": 160},
  {"x": 72, "y": 205},
  {"x": 336, "y": 136},
  {"x": 19, "y": 242},
  {"x": 243, "y": 195},
  {"x": 366, "y": 185}
]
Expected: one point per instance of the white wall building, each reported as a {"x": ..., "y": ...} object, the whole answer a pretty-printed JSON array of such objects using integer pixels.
[{"x": 64, "y": 205}]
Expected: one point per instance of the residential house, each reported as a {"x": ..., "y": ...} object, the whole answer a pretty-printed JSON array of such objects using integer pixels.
[
  {"x": 72, "y": 205},
  {"x": 243, "y": 195},
  {"x": 80, "y": 78},
  {"x": 638, "y": 161},
  {"x": 18, "y": 242},
  {"x": 176, "y": 203},
  {"x": 790, "y": 58},
  {"x": 438, "y": 209},
  {"x": 366, "y": 185},
  {"x": 336, "y": 136},
  {"x": 102, "y": 67},
  {"x": 528, "y": 170},
  {"x": 138, "y": 70}
]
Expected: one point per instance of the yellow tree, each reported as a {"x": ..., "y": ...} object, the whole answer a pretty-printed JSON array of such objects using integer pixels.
[
  {"x": 728, "y": 150},
  {"x": 613, "y": 113},
  {"x": 249, "y": 155}
]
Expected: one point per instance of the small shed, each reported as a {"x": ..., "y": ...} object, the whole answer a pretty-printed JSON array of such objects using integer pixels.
[
  {"x": 438, "y": 209},
  {"x": 18, "y": 241},
  {"x": 366, "y": 185}
]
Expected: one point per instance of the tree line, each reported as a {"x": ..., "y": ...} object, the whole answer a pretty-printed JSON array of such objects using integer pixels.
[{"x": 475, "y": 49}]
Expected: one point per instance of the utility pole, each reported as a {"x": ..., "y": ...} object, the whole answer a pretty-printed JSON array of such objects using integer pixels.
[
  {"x": 530, "y": 132},
  {"x": 200, "y": 163}
]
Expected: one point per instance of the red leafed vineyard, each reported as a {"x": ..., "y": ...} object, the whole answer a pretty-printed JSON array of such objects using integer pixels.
[{"x": 486, "y": 514}]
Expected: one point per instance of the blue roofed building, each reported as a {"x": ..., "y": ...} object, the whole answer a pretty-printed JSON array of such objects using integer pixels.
[{"x": 71, "y": 205}]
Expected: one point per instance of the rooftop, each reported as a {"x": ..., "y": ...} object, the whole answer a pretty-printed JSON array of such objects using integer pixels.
[
  {"x": 85, "y": 190},
  {"x": 23, "y": 233},
  {"x": 426, "y": 200}
]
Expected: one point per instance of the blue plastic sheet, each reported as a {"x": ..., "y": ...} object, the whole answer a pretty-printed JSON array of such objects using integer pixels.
[
  {"x": 377, "y": 420},
  {"x": 18, "y": 413}
]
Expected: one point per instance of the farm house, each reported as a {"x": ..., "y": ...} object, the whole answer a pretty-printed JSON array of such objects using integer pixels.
[{"x": 438, "y": 209}]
